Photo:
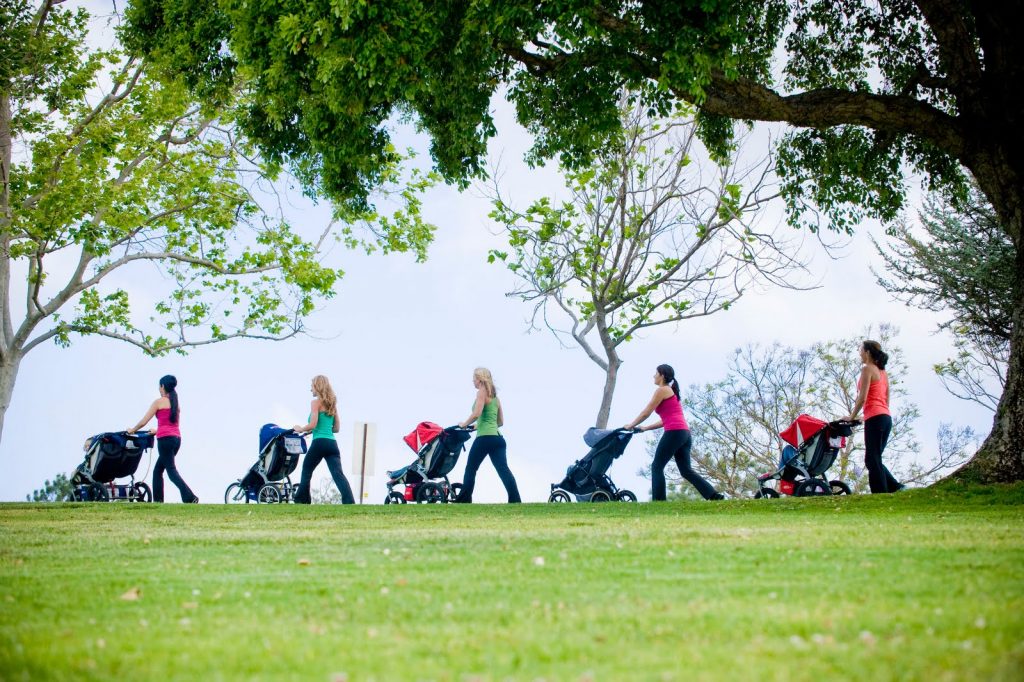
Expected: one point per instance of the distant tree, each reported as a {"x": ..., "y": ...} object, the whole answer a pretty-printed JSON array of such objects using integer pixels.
[
  {"x": 57, "y": 490},
  {"x": 963, "y": 265},
  {"x": 736, "y": 422},
  {"x": 653, "y": 233},
  {"x": 108, "y": 164},
  {"x": 325, "y": 492}
]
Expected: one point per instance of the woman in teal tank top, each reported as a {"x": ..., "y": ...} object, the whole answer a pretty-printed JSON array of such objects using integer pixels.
[
  {"x": 323, "y": 424},
  {"x": 489, "y": 442}
]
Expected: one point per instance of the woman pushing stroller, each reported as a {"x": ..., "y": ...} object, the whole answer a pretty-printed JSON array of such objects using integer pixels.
[
  {"x": 675, "y": 441},
  {"x": 489, "y": 417},
  {"x": 168, "y": 439},
  {"x": 323, "y": 423}
]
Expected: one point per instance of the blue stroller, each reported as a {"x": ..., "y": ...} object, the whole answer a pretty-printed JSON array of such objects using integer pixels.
[
  {"x": 588, "y": 479},
  {"x": 267, "y": 481},
  {"x": 109, "y": 456}
]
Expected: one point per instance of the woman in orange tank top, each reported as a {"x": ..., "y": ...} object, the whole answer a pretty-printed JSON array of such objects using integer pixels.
[{"x": 873, "y": 396}]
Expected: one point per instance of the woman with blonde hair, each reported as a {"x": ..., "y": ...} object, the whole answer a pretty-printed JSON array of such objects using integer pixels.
[
  {"x": 324, "y": 422},
  {"x": 488, "y": 417}
]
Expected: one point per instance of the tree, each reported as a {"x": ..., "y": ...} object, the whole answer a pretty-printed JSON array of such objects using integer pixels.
[
  {"x": 872, "y": 90},
  {"x": 119, "y": 167},
  {"x": 58, "y": 490},
  {"x": 648, "y": 237},
  {"x": 964, "y": 266},
  {"x": 736, "y": 422}
]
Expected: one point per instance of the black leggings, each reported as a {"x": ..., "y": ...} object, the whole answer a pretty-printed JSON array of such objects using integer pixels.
[
  {"x": 482, "y": 447},
  {"x": 167, "y": 447},
  {"x": 676, "y": 444},
  {"x": 325, "y": 449},
  {"x": 876, "y": 435}
]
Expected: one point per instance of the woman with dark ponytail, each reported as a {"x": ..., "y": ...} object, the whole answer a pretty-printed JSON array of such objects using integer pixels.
[
  {"x": 873, "y": 396},
  {"x": 168, "y": 439},
  {"x": 675, "y": 441}
]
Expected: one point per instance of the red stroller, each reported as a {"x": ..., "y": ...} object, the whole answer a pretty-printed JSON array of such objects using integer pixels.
[{"x": 813, "y": 447}]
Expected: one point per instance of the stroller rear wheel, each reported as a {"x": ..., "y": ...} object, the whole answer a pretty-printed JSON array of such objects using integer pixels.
[
  {"x": 839, "y": 488},
  {"x": 269, "y": 494},
  {"x": 453, "y": 491},
  {"x": 559, "y": 496},
  {"x": 766, "y": 493},
  {"x": 626, "y": 496},
  {"x": 812, "y": 487},
  {"x": 142, "y": 492},
  {"x": 236, "y": 494},
  {"x": 600, "y": 496},
  {"x": 394, "y": 498},
  {"x": 430, "y": 493},
  {"x": 97, "y": 493}
]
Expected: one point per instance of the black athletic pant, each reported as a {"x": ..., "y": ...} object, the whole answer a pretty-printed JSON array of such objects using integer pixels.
[
  {"x": 876, "y": 435},
  {"x": 482, "y": 447},
  {"x": 325, "y": 449},
  {"x": 676, "y": 444},
  {"x": 167, "y": 447}
]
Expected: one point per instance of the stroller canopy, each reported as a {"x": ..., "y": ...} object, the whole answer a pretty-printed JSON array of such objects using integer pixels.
[
  {"x": 803, "y": 428},
  {"x": 268, "y": 433},
  {"x": 425, "y": 432}
]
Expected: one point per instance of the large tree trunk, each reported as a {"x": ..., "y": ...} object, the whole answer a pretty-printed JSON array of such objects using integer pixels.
[
  {"x": 9, "y": 363},
  {"x": 1001, "y": 457}
]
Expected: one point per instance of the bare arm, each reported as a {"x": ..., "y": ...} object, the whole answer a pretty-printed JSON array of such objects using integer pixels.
[
  {"x": 478, "y": 408},
  {"x": 660, "y": 394},
  {"x": 337, "y": 421},
  {"x": 501, "y": 416},
  {"x": 862, "y": 394},
  {"x": 150, "y": 413},
  {"x": 314, "y": 416}
]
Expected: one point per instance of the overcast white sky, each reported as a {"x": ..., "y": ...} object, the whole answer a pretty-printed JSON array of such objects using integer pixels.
[{"x": 400, "y": 342}]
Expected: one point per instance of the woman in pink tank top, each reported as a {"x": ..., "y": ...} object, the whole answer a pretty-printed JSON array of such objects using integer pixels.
[
  {"x": 675, "y": 442},
  {"x": 168, "y": 440},
  {"x": 873, "y": 396}
]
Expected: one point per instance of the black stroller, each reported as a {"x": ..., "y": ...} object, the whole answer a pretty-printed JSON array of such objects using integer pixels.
[
  {"x": 813, "y": 447},
  {"x": 109, "y": 456},
  {"x": 588, "y": 479},
  {"x": 426, "y": 479},
  {"x": 267, "y": 480}
]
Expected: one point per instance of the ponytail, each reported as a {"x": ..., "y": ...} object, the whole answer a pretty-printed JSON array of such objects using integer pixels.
[
  {"x": 669, "y": 375},
  {"x": 878, "y": 356},
  {"x": 169, "y": 383}
]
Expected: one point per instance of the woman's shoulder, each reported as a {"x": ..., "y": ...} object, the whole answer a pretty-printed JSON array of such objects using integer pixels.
[
  {"x": 162, "y": 403},
  {"x": 663, "y": 392}
]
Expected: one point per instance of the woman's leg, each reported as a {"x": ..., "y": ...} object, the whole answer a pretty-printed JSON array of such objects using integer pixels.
[
  {"x": 876, "y": 435},
  {"x": 476, "y": 456},
  {"x": 172, "y": 470},
  {"x": 333, "y": 459},
  {"x": 500, "y": 459},
  {"x": 669, "y": 443},
  {"x": 682, "y": 455},
  {"x": 162, "y": 448},
  {"x": 309, "y": 462}
]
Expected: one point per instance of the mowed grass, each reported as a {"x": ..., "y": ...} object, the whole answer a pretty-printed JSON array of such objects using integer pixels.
[{"x": 920, "y": 585}]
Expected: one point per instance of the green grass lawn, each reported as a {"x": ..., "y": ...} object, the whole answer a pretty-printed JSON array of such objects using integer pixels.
[{"x": 920, "y": 585}]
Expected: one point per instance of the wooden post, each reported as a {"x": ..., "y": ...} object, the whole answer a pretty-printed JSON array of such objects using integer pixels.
[{"x": 362, "y": 467}]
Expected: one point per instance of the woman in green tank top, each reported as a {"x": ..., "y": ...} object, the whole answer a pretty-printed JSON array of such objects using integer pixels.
[
  {"x": 323, "y": 424},
  {"x": 489, "y": 442}
]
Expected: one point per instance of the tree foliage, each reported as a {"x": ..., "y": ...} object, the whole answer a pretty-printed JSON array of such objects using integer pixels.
[
  {"x": 653, "y": 233},
  {"x": 57, "y": 490}
]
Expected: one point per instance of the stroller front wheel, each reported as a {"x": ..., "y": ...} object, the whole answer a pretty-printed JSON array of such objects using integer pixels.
[
  {"x": 97, "y": 493},
  {"x": 142, "y": 492},
  {"x": 559, "y": 496},
  {"x": 839, "y": 488},
  {"x": 600, "y": 496},
  {"x": 236, "y": 494}
]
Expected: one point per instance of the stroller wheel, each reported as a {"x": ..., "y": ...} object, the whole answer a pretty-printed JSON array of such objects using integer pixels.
[
  {"x": 765, "y": 493},
  {"x": 269, "y": 494},
  {"x": 812, "y": 487},
  {"x": 626, "y": 496},
  {"x": 559, "y": 496},
  {"x": 97, "y": 493},
  {"x": 394, "y": 498},
  {"x": 839, "y": 488},
  {"x": 600, "y": 496},
  {"x": 453, "y": 491},
  {"x": 142, "y": 492},
  {"x": 430, "y": 493},
  {"x": 236, "y": 494}
]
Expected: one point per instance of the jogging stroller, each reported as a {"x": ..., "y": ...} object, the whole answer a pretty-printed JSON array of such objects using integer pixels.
[
  {"x": 588, "y": 479},
  {"x": 813, "y": 446},
  {"x": 267, "y": 480},
  {"x": 426, "y": 479},
  {"x": 109, "y": 456}
]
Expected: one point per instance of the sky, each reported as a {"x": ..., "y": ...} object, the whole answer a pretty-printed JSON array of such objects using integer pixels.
[{"x": 400, "y": 341}]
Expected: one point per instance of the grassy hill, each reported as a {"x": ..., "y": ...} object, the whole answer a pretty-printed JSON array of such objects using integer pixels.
[{"x": 920, "y": 585}]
